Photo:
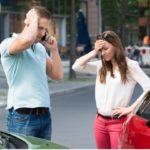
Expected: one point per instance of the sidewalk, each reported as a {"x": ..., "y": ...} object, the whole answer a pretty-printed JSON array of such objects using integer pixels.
[{"x": 82, "y": 82}]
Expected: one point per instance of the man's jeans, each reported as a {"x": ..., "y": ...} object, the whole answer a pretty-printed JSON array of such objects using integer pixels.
[{"x": 30, "y": 124}]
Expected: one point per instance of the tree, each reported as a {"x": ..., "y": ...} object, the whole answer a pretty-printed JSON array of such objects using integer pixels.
[
  {"x": 73, "y": 40},
  {"x": 117, "y": 14}
]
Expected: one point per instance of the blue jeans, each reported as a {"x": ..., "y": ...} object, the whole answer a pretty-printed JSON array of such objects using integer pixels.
[{"x": 30, "y": 124}]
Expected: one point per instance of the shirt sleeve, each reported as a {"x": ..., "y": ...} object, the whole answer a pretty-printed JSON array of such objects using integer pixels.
[
  {"x": 4, "y": 47},
  {"x": 140, "y": 77},
  {"x": 90, "y": 67}
]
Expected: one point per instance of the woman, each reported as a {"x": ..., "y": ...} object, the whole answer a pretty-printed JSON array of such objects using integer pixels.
[{"x": 115, "y": 82}]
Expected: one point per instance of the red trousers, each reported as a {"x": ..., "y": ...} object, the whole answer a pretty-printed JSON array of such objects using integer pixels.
[{"x": 107, "y": 132}]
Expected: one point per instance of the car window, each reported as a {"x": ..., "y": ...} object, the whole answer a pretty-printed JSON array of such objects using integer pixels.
[{"x": 144, "y": 109}]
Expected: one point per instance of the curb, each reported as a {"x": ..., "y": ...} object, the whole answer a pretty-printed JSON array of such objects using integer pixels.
[{"x": 71, "y": 90}]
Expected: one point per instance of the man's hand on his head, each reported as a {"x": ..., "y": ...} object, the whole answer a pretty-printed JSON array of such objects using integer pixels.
[{"x": 30, "y": 17}]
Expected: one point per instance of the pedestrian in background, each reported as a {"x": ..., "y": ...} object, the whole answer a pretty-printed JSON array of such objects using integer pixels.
[
  {"x": 146, "y": 40},
  {"x": 26, "y": 65},
  {"x": 116, "y": 77}
]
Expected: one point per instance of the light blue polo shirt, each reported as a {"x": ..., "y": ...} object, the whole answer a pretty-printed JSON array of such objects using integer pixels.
[{"x": 26, "y": 76}]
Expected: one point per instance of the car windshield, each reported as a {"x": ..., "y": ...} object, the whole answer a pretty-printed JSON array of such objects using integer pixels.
[
  {"x": 144, "y": 109},
  {"x": 11, "y": 142}
]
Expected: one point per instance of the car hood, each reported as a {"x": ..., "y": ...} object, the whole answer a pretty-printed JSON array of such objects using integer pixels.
[{"x": 26, "y": 142}]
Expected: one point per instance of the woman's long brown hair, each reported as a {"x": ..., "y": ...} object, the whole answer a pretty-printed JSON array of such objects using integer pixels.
[{"x": 120, "y": 59}]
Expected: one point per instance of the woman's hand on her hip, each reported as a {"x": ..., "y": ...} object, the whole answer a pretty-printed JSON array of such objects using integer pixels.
[{"x": 121, "y": 111}]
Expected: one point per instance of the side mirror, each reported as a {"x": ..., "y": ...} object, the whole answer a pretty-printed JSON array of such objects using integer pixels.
[{"x": 148, "y": 123}]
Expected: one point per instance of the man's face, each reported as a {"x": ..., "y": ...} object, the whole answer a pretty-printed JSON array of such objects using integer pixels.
[{"x": 42, "y": 28}]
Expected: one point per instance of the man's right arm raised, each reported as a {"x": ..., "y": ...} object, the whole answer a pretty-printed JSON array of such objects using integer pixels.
[{"x": 27, "y": 37}]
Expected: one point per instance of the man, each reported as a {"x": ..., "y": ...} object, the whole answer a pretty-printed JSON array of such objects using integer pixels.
[{"x": 26, "y": 63}]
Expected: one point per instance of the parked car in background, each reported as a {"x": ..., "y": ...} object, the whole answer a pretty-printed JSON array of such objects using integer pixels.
[
  {"x": 18, "y": 141},
  {"x": 136, "y": 130}
]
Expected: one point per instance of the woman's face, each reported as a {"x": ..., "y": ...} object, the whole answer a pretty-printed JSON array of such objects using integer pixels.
[{"x": 108, "y": 51}]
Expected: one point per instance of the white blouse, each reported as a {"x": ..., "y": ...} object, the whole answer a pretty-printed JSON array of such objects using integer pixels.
[{"x": 115, "y": 93}]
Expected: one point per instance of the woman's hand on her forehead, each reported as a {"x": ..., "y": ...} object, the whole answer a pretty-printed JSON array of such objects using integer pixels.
[{"x": 99, "y": 44}]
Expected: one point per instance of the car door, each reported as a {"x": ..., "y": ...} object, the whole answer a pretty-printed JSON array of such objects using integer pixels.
[{"x": 136, "y": 131}]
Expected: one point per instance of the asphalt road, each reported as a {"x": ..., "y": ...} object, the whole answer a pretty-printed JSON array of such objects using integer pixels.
[{"x": 73, "y": 115}]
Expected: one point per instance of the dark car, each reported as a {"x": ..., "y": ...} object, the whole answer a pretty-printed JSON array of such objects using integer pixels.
[
  {"x": 136, "y": 130},
  {"x": 19, "y": 141}
]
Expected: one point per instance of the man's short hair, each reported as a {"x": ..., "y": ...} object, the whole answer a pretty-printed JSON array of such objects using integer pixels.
[{"x": 42, "y": 12}]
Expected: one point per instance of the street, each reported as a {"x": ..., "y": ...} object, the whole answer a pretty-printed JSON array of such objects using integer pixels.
[{"x": 72, "y": 115}]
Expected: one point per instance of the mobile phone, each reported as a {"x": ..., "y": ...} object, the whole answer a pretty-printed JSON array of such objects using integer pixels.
[{"x": 44, "y": 37}]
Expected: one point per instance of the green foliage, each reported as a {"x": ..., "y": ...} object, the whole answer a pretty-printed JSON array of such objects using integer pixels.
[
  {"x": 143, "y": 2},
  {"x": 20, "y": 5},
  {"x": 132, "y": 14},
  {"x": 115, "y": 12},
  {"x": 60, "y": 7},
  {"x": 109, "y": 12},
  {"x": 57, "y": 7},
  {"x": 147, "y": 12}
]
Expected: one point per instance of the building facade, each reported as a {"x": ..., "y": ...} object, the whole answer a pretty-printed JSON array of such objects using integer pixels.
[
  {"x": 12, "y": 20},
  {"x": 92, "y": 12}
]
